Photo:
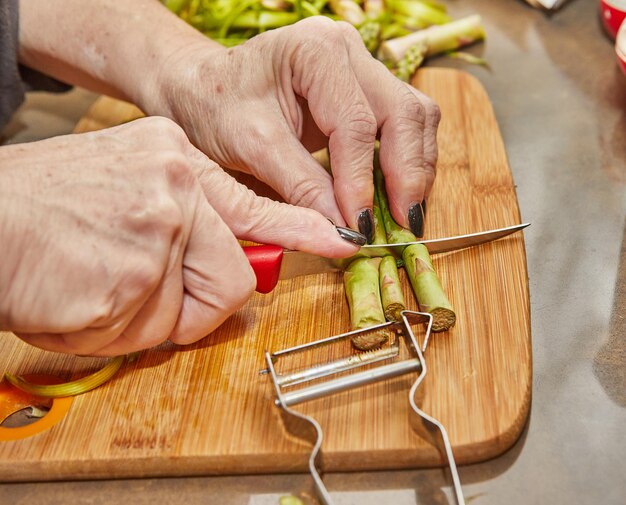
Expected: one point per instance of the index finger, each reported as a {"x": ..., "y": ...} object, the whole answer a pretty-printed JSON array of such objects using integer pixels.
[
  {"x": 342, "y": 113},
  {"x": 408, "y": 122}
]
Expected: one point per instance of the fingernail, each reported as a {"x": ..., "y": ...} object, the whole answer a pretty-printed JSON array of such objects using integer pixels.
[
  {"x": 366, "y": 224},
  {"x": 416, "y": 219},
  {"x": 424, "y": 208},
  {"x": 351, "y": 236}
]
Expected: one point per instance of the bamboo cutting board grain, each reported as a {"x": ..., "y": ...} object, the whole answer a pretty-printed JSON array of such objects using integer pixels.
[{"x": 203, "y": 409}]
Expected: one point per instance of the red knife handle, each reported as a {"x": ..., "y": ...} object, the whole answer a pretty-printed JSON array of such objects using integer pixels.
[{"x": 265, "y": 261}]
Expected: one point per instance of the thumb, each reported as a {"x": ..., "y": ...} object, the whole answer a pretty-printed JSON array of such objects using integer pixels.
[{"x": 260, "y": 219}]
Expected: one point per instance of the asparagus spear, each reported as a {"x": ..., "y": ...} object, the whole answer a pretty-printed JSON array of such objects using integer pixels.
[
  {"x": 427, "y": 287},
  {"x": 419, "y": 268},
  {"x": 395, "y": 233},
  {"x": 391, "y": 289},
  {"x": 438, "y": 39},
  {"x": 380, "y": 235},
  {"x": 361, "y": 283}
]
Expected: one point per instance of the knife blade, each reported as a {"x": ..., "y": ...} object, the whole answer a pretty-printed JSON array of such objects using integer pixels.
[{"x": 273, "y": 263}]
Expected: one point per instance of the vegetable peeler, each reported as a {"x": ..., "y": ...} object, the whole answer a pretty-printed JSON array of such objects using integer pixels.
[{"x": 402, "y": 342}]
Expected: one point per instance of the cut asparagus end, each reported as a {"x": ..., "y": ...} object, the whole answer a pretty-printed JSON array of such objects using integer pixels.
[
  {"x": 391, "y": 289},
  {"x": 438, "y": 39},
  {"x": 361, "y": 282},
  {"x": 369, "y": 341},
  {"x": 427, "y": 287}
]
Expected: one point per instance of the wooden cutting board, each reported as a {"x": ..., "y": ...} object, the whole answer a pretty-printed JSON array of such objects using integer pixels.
[{"x": 204, "y": 409}]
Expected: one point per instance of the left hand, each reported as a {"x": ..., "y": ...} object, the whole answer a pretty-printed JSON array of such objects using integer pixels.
[{"x": 262, "y": 107}]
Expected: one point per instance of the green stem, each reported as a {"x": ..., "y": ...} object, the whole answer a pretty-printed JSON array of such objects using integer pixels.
[
  {"x": 437, "y": 39},
  {"x": 419, "y": 267},
  {"x": 421, "y": 11},
  {"x": 395, "y": 233},
  {"x": 380, "y": 235},
  {"x": 427, "y": 287},
  {"x": 361, "y": 282},
  {"x": 391, "y": 289}
]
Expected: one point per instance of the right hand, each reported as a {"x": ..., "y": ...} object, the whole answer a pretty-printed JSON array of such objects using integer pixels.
[{"x": 114, "y": 241}]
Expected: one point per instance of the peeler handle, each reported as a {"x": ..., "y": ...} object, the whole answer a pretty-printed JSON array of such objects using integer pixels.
[{"x": 265, "y": 260}]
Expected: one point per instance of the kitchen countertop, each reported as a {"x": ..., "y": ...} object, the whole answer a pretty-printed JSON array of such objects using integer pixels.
[{"x": 561, "y": 104}]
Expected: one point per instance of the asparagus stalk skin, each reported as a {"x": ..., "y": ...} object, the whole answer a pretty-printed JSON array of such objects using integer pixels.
[
  {"x": 380, "y": 235},
  {"x": 429, "y": 13},
  {"x": 412, "y": 60},
  {"x": 348, "y": 10},
  {"x": 361, "y": 282},
  {"x": 231, "y": 22},
  {"x": 395, "y": 233},
  {"x": 419, "y": 267},
  {"x": 438, "y": 39},
  {"x": 391, "y": 289},
  {"x": 427, "y": 287}
]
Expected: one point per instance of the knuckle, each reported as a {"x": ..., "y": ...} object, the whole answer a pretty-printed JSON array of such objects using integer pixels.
[
  {"x": 163, "y": 129},
  {"x": 362, "y": 126},
  {"x": 321, "y": 33},
  {"x": 317, "y": 26},
  {"x": 176, "y": 169},
  {"x": 349, "y": 32},
  {"x": 434, "y": 112},
  {"x": 146, "y": 275},
  {"x": 261, "y": 133},
  {"x": 307, "y": 193},
  {"x": 412, "y": 108}
]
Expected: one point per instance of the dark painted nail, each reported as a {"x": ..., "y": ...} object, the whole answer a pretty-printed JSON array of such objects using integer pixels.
[
  {"x": 416, "y": 220},
  {"x": 366, "y": 224},
  {"x": 351, "y": 236},
  {"x": 424, "y": 208}
]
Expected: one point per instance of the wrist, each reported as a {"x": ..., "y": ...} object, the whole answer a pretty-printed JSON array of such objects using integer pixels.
[{"x": 179, "y": 67}]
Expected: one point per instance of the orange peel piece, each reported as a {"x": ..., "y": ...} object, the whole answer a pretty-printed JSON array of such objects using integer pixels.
[{"x": 13, "y": 399}]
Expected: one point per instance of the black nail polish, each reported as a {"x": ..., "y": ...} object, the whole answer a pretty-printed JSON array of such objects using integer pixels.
[
  {"x": 416, "y": 220},
  {"x": 366, "y": 224},
  {"x": 351, "y": 236}
]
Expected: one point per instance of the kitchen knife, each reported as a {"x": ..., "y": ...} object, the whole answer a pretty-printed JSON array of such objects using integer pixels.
[{"x": 273, "y": 263}]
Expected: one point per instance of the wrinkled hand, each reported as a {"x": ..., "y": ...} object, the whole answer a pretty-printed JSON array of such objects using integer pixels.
[
  {"x": 117, "y": 240},
  {"x": 263, "y": 106}
]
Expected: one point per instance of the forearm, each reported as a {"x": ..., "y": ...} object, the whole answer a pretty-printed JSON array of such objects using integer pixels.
[
  {"x": 117, "y": 48},
  {"x": 13, "y": 233}
]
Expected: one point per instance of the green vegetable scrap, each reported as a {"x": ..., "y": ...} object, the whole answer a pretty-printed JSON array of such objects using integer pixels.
[
  {"x": 76, "y": 387},
  {"x": 290, "y": 500},
  {"x": 406, "y": 53},
  {"x": 384, "y": 25}
]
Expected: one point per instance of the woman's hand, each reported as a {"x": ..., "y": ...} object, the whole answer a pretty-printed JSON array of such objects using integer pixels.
[
  {"x": 263, "y": 106},
  {"x": 117, "y": 240}
]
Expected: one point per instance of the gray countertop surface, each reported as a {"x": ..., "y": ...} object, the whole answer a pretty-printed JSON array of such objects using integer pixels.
[{"x": 560, "y": 101}]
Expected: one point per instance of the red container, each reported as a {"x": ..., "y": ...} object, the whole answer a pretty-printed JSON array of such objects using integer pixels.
[
  {"x": 620, "y": 47},
  {"x": 613, "y": 13}
]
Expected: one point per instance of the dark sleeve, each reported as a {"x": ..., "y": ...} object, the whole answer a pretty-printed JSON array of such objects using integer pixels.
[{"x": 16, "y": 79}]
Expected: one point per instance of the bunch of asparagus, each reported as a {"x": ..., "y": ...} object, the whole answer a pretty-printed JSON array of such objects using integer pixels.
[
  {"x": 399, "y": 32},
  {"x": 373, "y": 286}
]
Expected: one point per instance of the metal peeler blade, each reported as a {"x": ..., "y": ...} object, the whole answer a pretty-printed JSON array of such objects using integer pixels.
[{"x": 307, "y": 428}]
